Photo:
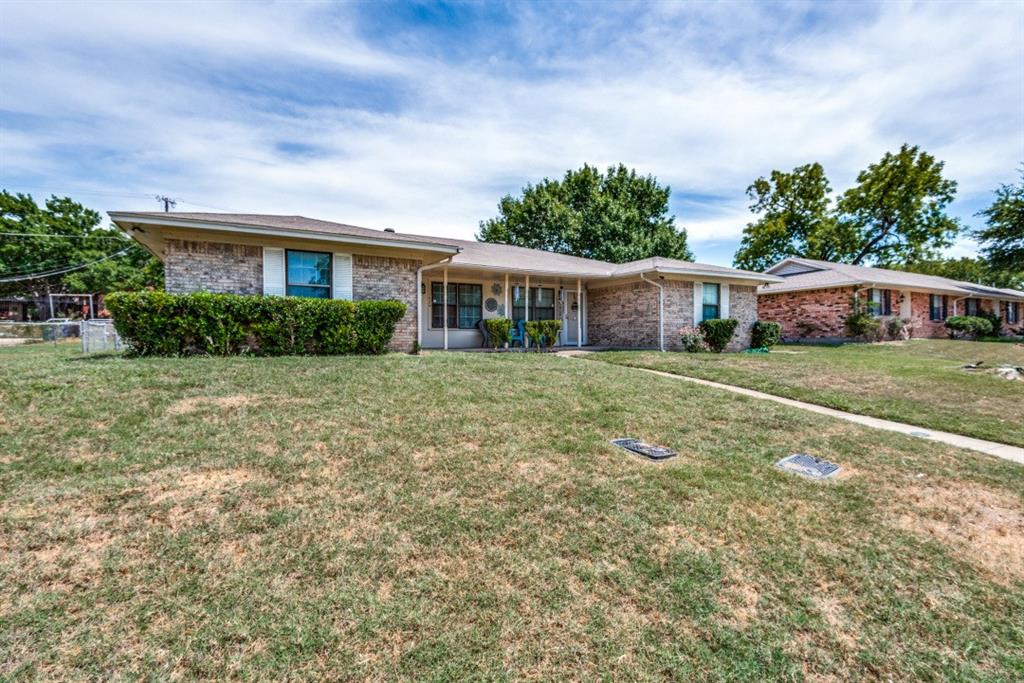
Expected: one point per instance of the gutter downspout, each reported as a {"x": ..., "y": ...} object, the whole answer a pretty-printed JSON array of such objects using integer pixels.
[
  {"x": 661, "y": 311},
  {"x": 419, "y": 295}
]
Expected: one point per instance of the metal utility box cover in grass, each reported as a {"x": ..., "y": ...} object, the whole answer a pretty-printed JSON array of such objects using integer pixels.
[
  {"x": 645, "y": 450},
  {"x": 808, "y": 466}
]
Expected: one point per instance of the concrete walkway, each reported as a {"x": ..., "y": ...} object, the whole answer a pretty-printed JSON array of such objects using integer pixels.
[{"x": 999, "y": 450}]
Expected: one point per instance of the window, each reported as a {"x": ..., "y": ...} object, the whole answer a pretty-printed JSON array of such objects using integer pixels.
[
  {"x": 938, "y": 307},
  {"x": 309, "y": 274},
  {"x": 880, "y": 301},
  {"x": 971, "y": 307},
  {"x": 464, "y": 305},
  {"x": 712, "y": 297},
  {"x": 1012, "y": 313},
  {"x": 542, "y": 303}
]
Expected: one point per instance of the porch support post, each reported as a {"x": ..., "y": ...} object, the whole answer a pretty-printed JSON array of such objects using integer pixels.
[
  {"x": 419, "y": 307},
  {"x": 579, "y": 313},
  {"x": 445, "y": 300},
  {"x": 508, "y": 306},
  {"x": 526, "y": 318}
]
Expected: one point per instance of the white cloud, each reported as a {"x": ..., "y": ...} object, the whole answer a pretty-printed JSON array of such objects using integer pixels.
[{"x": 118, "y": 98}]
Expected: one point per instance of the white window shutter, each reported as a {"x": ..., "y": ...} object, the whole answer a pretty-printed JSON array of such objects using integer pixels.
[
  {"x": 698, "y": 302},
  {"x": 342, "y": 276},
  {"x": 273, "y": 271},
  {"x": 724, "y": 303}
]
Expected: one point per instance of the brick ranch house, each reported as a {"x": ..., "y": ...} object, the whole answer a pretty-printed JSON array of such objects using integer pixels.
[
  {"x": 641, "y": 304},
  {"x": 814, "y": 299}
]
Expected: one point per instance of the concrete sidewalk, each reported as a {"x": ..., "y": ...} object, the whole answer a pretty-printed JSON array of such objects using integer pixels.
[{"x": 999, "y": 450}]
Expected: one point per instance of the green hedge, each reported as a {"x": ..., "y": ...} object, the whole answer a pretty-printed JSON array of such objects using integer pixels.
[
  {"x": 718, "y": 332},
  {"x": 162, "y": 324},
  {"x": 765, "y": 334},
  {"x": 968, "y": 325},
  {"x": 543, "y": 333},
  {"x": 500, "y": 331}
]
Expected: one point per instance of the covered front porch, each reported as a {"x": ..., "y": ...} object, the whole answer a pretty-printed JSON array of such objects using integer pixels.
[{"x": 453, "y": 301}]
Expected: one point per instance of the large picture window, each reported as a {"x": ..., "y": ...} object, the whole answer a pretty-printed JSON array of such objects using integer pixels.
[
  {"x": 542, "y": 303},
  {"x": 465, "y": 307},
  {"x": 309, "y": 274},
  {"x": 938, "y": 307},
  {"x": 712, "y": 299}
]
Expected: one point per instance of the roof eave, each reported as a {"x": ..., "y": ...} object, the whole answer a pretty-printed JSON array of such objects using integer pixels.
[{"x": 121, "y": 218}]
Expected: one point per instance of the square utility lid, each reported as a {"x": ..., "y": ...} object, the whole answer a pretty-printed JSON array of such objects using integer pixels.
[{"x": 808, "y": 466}]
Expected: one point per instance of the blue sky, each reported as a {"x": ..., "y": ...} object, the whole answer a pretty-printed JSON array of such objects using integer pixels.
[{"x": 420, "y": 116}]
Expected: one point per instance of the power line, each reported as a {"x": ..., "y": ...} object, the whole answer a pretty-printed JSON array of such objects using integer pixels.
[{"x": 62, "y": 271}]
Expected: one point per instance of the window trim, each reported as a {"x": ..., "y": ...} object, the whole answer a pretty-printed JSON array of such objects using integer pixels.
[
  {"x": 884, "y": 303},
  {"x": 453, "y": 305},
  {"x": 329, "y": 287}
]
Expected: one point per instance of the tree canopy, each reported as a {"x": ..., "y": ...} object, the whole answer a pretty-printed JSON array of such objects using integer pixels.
[
  {"x": 894, "y": 214},
  {"x": 616, "y": 216},
  {"x": 62, "y": 234},
  {"x": 977, "y": 270},
  {"x": 1002, "y": 239}
]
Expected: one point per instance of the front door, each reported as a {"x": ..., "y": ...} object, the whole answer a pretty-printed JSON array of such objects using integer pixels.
[{"x": 572, "y": 313}]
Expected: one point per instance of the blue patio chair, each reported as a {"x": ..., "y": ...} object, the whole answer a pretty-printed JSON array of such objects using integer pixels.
[{"x": 517, "y": 334}]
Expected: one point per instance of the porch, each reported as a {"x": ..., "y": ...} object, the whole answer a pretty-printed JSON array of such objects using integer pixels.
[{"x": 451, "y": 302}]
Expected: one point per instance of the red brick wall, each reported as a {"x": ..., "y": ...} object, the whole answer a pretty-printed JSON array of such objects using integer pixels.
[
  {"x": 623, "y": 315},
  {"x": 920, "y": 314},
  {"x": 825, "y": 310},
  {"x": 384, "y": 277}
]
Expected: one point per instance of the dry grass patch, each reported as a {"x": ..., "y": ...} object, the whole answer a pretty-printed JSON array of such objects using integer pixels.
[
  {"x": 225, "y": 404},
  {"x": 982, "y": 526}
]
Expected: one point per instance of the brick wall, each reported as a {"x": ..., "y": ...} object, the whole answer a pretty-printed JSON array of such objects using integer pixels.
[
  {"x": 191, "y": 266},
  {"x": 920, "y": 317},
  {"x": 813, "y": 314},
  {"x": 383, "y": 277},
  {"x": 623, "y": 315},
  {"x": 627, "y": 315}
]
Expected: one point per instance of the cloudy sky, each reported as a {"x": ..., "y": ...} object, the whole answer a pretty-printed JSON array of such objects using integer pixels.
[{"x": 420, "y": 116}]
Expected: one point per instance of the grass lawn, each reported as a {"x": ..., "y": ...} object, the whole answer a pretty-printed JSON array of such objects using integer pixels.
[
  {"x": 920, "y": 382},
  {"x": 458, "y": 516}
]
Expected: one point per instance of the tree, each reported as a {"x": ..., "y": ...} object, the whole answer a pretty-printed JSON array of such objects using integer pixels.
[
  {"x": 897, "y": 209},
  {"x": 616, "y": 216},
  {"x": 64, "y": 234},
  {"x": 977, "y": 270},
  {"x": 1003, "y": 239},
  {"x": 796, "y": 220}
]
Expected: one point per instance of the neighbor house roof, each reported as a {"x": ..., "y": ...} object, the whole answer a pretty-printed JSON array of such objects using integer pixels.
[
  {"x": 805, "y": 274},
  {"x": 464, "y": 253}
]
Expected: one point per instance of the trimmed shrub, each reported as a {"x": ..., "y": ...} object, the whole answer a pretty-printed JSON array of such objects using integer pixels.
[
  {"x": 968, "y": 326},
  {"x": 765, "y": 334},
  {"x": 994, "y": 319},
  {"x": 718, "y": 332},
  {"x": 162, "y": 324},
  {"x": 500, "y": 331},
  {"x": 692, "y": 340},
  {"x": 543, "y": 333},
  {"x": 895, "y": 328}
]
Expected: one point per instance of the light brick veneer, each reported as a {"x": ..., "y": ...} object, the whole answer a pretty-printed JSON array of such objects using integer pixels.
[
  {"x": 382, "y": 277},
  {"x": 216, "y": 267},
  {"x": 627, "y": 315},
  {"x": 813, "y": 314}
]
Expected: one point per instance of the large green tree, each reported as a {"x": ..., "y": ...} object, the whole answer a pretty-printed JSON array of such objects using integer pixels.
[
  {"x": 795, "y": 220},
  {"x": 896, "y": 213},
  {"x": 616, "y": 216},
  {"x": 897, "y": 209},
  {"x": 37, "y": 242},
  {"x": 1002, "y": 239}
]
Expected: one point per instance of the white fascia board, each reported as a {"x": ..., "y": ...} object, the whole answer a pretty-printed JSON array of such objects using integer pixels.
[
  {"x": 717, "y": 275},
  {"x": 276, "y": 232}
]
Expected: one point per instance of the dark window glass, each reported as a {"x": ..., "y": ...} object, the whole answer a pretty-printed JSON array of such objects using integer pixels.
[
  {"x": 542, "y": 303},
  {"x": 1012, "y": 313},
  {"x": 711, "y": 300},
  {"x": 938, "y": 307},
  {"x": 464, "y": 305},
  {"x": 309, "y": 274},
  {"x": 971, "y": 307},
  {"x": 880, "y": 302}
]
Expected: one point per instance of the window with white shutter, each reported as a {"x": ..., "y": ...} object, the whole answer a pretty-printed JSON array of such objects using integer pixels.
[
  {"x": 273, "y": 271},
  {"x": 343, "y": 276}
]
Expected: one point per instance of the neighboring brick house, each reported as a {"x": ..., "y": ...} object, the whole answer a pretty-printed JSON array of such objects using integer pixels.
[
  {"x": 815, "y": 298},
  {"x": 449, "y": 285}
]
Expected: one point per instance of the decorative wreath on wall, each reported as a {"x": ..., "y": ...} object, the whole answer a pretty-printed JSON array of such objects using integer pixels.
[
  {"x": 496, "y": 288},
  {"x": 491, "y": 305}
]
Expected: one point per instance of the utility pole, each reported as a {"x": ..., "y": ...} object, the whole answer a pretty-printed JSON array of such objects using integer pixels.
[{"x": 167, "y": 202}]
